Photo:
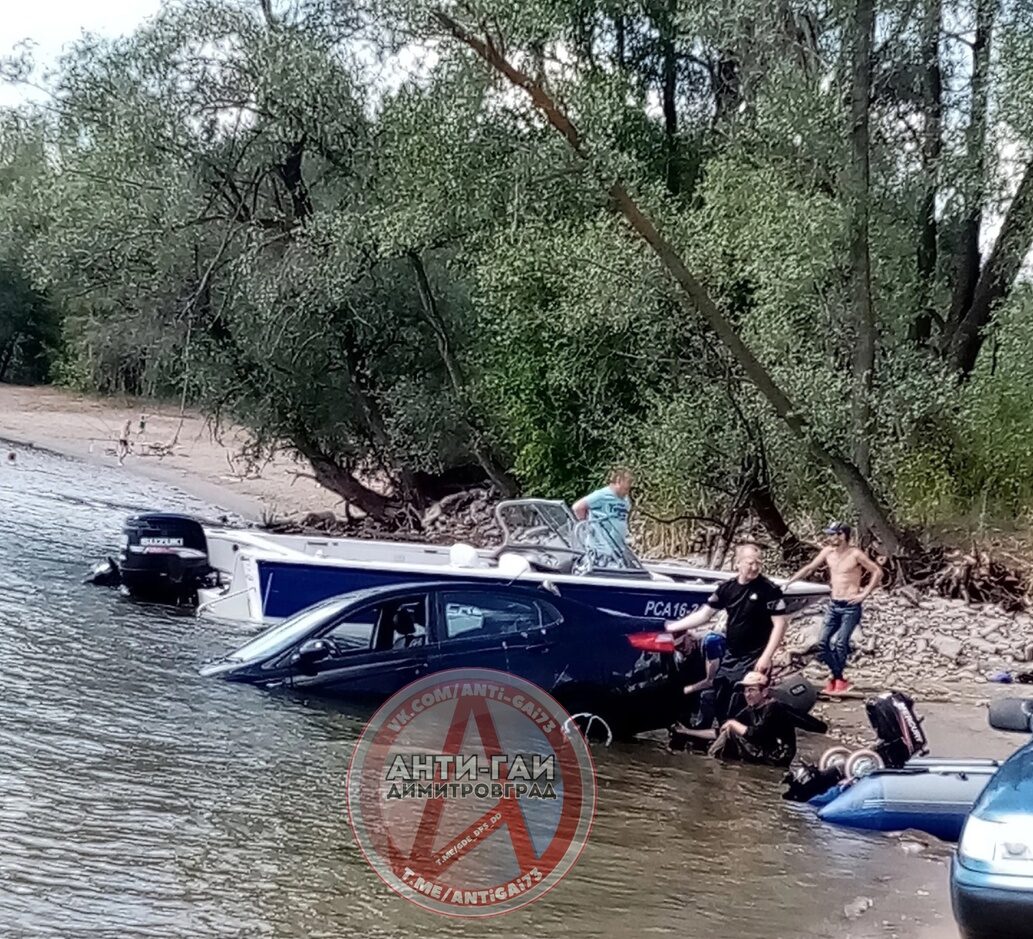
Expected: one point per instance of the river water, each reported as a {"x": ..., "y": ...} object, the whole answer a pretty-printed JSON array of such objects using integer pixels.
[{"x": 139, "y": 800}]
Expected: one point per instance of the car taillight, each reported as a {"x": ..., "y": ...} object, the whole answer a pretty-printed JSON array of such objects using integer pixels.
[{"x": 652, "y": 642}]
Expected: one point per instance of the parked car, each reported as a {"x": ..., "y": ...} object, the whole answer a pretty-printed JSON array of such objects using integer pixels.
[
  {"x": 992, "y": 869},
  {"x": 368, "y": 644}
]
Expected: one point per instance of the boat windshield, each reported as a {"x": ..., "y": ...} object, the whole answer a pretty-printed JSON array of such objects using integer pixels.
[
  {"x": 552, "y": 526},
  {"x": 279, "y": 637}
]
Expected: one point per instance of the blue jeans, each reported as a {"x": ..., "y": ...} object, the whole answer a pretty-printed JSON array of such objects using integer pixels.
[{"x": 840, "y": 623}]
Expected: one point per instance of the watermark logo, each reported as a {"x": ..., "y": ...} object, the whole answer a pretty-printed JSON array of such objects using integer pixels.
[{"x": 471, "y": 792}]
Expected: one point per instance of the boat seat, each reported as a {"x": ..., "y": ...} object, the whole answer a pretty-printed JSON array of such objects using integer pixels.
[{"x": 533, "y": 555}]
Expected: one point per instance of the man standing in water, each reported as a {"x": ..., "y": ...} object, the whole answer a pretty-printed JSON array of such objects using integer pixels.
[
  {"x": 847, "y": 564},
  {"x": 756, "y": 614},
  {"x": 607, "y": 510},
  {"x": 764, "y": 731}
]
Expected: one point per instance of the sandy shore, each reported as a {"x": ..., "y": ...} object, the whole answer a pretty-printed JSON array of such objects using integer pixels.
[{"x": 211, "y": 469}]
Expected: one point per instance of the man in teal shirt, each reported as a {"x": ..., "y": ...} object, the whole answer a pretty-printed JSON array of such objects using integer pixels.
[{"x": 607, "y": 511}]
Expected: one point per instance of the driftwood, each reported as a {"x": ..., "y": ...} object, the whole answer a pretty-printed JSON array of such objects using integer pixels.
[
  {"x": 973, "y": 576},
  {"x": 463, "y": 516}
]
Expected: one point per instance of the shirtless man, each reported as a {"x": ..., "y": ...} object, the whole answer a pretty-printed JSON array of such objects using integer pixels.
[
  {"x": 123, "y": 444},
  {"x": 847, "y": 564}
]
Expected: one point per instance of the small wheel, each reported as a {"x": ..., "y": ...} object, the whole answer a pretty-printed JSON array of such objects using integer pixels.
[
  {"x": 862, "y": 762},
  {"x": 1014, "y": 714},
  {"x": 834, "y": 757}
]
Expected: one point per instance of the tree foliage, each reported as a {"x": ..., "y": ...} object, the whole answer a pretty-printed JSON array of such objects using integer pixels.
[{"x": 333, "y": 223}]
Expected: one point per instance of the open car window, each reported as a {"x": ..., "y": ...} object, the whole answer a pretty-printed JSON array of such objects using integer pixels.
[
  {"x": 469, "y": 614},
  {"x": 399, "y": 622},
  {"x": 276, "y": 639}
]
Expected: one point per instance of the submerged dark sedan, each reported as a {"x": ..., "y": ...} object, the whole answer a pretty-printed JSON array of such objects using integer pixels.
[{"x": 365, "y": 646}]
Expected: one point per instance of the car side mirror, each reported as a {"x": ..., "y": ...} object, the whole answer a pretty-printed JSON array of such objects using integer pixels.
[{"x": 310, "y": 652}]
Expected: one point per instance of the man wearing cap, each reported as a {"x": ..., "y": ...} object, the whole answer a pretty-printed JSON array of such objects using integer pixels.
[
  {"x": 847, "y": 564},
  {"x": 764, "y": 731},
  {"x": 756, "y": 624}
]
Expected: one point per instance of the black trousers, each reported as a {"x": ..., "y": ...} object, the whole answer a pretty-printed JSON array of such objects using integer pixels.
[{"x": 722, "y": 700}]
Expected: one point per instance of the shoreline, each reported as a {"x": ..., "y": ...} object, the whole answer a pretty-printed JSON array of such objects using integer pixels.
[
  {"x": 951, "y": 699},
  {"x": 86, "y": 428},
  {"x": 221, "y": 498}
]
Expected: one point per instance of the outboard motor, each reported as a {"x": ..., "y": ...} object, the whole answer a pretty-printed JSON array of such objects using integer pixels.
[
  {"x": 808, "y": 782},
  {"x": 164, "y": 558}
]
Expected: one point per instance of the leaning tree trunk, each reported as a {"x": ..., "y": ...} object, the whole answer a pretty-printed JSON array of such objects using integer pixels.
[
  {"x": 967, "y": 257},
  {"x": 996, "y": 278},
  {"x": 331, "y": 475},
  {"x": 669, "y": 96},
  {"x": 692, "y": 296},
  {"x": 932, "y": 95},
  {"x": 860, "y": 256}
]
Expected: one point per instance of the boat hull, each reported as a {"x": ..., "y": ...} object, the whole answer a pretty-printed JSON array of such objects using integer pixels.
[
  {"x": 288, "y": 587},
  {"x": 928, "y": 797},
  {"x": 265, "y": 578}
]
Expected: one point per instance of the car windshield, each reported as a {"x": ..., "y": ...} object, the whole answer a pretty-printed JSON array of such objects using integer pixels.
[
  {"x": 1011, "y": 789},
  {"x": 277, "y": 638}
]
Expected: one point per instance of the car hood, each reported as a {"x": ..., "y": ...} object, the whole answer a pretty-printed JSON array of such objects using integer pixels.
[{"x": 220, "y": 666}]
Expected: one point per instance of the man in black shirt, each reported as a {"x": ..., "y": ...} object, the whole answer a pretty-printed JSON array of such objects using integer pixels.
[
  {"x": 756, "y": 624},
  {"x": 765, "y": 730}
]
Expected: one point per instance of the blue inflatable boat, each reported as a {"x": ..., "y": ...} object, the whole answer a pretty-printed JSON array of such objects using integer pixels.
[{"x": 930, "y": 795}]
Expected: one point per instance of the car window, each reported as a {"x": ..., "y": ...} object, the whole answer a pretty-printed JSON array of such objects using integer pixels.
[
  {"x": 277, "y": 638},
  {"x": 353, "y": 632},
  {"x": 395, "y": 623},
  {"x": 470, "y": 614}
]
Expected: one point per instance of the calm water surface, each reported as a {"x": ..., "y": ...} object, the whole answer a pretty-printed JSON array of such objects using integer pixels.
[{"x": 138, "y": 800}]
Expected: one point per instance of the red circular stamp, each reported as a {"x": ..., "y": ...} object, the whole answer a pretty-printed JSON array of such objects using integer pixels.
[{"x": 471, "y": 793}]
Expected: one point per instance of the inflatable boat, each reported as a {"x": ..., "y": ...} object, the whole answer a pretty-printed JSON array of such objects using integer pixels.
[{"x": 930, "y": 795}]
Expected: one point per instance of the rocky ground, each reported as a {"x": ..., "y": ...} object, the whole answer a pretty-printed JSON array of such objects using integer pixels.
[{"x": 929, "y": 645}]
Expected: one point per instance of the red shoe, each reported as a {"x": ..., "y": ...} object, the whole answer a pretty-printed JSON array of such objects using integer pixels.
[
  {"x": 831, "y": 686},
  {"x": 843, "y": 686}
]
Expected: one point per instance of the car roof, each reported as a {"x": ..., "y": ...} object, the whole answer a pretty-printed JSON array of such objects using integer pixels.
[
  {"x": 536, "y": 592},
  {"x": 372, "y": 593},
  {"x": 1010, "y": 791}
]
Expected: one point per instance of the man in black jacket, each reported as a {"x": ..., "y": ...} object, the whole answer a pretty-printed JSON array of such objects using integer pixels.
[
  {"x": 756, "y": 625},
  {"x": 765, "y": 730}
]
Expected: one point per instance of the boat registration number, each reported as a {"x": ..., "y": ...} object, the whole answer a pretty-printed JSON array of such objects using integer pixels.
[{"x": 669, "y": 609}]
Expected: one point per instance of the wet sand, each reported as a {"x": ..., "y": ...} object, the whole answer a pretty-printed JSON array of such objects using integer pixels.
[{"x": 201, "y": 464}]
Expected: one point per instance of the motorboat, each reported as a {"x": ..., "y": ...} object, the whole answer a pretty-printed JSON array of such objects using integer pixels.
[{"x": 264, "y": 577}]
